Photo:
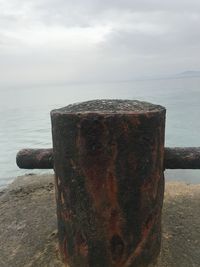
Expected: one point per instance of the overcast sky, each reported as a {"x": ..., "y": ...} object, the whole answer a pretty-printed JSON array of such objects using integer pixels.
[{"x": 57, "y": 41}]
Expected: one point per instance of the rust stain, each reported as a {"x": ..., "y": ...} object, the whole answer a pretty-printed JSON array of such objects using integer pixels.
[
  {"x": 63, "y": 249},
  {"x": 146, "y": 231},
  {"x": 101, "y": 183},
  {"x": 66, "y": 215},
  {"x": 111, "y": 189},
  {"x": 62, "y": 198},
  {"x": 135, "y": 120},
  {"x": 81, "y": 245}
]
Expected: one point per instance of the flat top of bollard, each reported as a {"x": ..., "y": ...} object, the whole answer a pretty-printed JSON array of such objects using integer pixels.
[{"x": 110, "y": 106}]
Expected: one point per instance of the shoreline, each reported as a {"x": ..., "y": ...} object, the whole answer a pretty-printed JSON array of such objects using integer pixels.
[
  {"x": 170, "y": 176},
  {"x": 28, "y": 233}
]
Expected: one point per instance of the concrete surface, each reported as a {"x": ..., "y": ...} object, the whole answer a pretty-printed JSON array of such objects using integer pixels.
[{"x": 28, "y": 236}]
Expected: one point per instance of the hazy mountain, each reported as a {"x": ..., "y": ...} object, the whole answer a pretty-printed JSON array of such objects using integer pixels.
[{"x": 189, "y": 73}]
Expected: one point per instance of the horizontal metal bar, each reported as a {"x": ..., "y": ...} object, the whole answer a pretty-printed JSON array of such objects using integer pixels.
[
  {"x": 182, "y": 158},
  {"x": 174, "y": 158},
  {"x": 35, "y": 158}
]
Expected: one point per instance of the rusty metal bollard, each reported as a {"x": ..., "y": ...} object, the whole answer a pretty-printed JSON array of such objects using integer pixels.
[{"x": 108, "y": 162}]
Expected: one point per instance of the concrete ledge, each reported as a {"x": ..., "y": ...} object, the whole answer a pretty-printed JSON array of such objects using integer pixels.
[{"x": 28, "y": 234}]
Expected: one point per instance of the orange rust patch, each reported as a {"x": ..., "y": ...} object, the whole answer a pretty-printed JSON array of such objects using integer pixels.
[
  {"x": 63, "y": 249},
  {"x": 67, "y": 215},
  {"x": 81, "y": 246},
  {"x": 62, "y": 198},
  {"x": 145, "y": 235},
  {"x": 111, "y": 189}
]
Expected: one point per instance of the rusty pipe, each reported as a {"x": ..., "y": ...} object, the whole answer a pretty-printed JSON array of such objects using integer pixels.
[{"x": 175, "y": 158}]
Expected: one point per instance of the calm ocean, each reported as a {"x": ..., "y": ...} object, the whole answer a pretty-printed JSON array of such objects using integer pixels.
[{"x": 25, "y": 119}]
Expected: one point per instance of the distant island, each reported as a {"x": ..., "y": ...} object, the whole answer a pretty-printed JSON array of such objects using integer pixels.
[
  {"x": 184, "y": 74},
  {"x": 189, "y": 73}
]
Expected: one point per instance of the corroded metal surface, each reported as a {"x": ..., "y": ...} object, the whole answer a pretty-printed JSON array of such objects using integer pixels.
[
  {"x": 182, "y": 158},
  {"x": 109, "y": 184},
  {"x": 174, "y": 158},
  {"x": 35, "y": 159}
]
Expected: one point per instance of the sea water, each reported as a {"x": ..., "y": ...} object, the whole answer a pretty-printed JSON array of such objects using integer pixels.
[{"x": 25, "y": 115}]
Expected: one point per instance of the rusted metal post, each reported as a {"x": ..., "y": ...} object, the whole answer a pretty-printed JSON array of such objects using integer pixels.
[{"x": 108, "y": 162}]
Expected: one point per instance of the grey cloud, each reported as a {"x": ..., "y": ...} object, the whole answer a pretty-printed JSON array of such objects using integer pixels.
[
  {"x": 176, "y": 32},
  {"x": 145, "y": 36},
  {"x": 84, "y": 13}
]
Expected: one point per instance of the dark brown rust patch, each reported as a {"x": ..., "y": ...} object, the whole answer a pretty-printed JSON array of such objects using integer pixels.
[{"x": 117, "y": 248}]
